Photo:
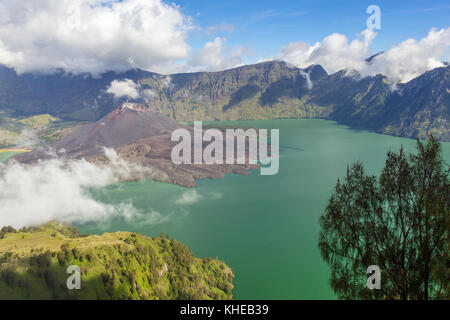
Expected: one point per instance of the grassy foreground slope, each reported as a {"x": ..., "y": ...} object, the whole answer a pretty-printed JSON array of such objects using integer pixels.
[{"x": 122, "y": 265}]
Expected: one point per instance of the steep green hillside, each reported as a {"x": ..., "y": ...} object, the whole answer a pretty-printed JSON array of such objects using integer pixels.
[
  {"x": 42, "y": 120},
  {"x": 262, "y": 91},
  {"x": 122, "y": 265}
]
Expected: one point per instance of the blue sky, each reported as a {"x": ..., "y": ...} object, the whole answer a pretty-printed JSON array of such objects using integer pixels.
[{"x": 265, "y": 26}]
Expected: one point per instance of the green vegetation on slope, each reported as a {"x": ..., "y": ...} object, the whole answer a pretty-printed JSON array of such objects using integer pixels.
[
  {"x": 41, "y": 120},
  {"x": 6, "y": 155},
  {"x": 46, "y": 128},
  {"x": 122, "y": 265}
]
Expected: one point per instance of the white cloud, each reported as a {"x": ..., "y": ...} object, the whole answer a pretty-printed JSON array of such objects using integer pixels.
[
  {"x": 215, "y": 56},
  {"x": 96, "y": 36},
  {"x": 400, "y": 63},
  {"x": 117, "y": 35},
  {"x": 56, "y": 190},
  {"x": 411, "y": 58},
  {"x": 130, "y": 89},
  {"x": 148, "y": 94},
  {"x": 125, "y": 88},
  {"x": 91, "y": 35},
  {"x": 167, "y": 82},
  {"x": 309, "y": 83},
  {"x": 27, "y": 138},
  {"x": 334, "y": 53}
]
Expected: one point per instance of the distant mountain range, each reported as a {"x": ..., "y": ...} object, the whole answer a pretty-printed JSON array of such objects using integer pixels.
[{"x": 263, "y": 91}]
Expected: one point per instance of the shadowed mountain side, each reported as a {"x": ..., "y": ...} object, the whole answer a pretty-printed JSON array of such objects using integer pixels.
[{"x": 141, "y": 137}]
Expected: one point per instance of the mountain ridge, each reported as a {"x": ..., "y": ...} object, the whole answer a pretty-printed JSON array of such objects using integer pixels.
[{"x": 266, "y": 90}]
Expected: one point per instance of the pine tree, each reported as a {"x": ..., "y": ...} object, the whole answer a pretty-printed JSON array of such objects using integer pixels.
[{"x": 399, "y": 222}]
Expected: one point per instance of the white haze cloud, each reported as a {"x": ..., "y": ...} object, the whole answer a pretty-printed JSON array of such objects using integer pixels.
[
  {"x": 309, "y": 83},
  {"x": 27, "y": 138},
  {"x": 401, "y": 63},
  {"x": 57, "y": 190},
  {"x": 193, "y": 196},
  {"x": 91, "y": 35},
  {"x": 215, "y": 56},
  {"x": 223, "y": 27},
  {"x": 167, "y": 82},
  {"x": 148, "y": 94},
  {"x": 189, "y": 197}
]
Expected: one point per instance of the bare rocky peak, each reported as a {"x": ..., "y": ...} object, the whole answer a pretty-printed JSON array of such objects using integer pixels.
[{"x": 139, "y": 107}]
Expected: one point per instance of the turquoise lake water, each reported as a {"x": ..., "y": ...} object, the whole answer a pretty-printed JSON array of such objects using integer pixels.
[
  {"x": 264, "y": 227},
  {"x": 6, "y": 155}
]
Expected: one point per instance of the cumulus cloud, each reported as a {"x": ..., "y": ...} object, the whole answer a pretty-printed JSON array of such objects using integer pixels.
[
  {"x": 125, "y": 88},
  {"x": 57, "y": 190},
  {"x": 91, "y": 35},
  {"x": 334, "y": 53},
  {"x": 400, "y": 63},
  {"x": 129, "y": 89},
  {"x": 215, "y": 56},
  {"x": 411, "y": 58},
  {"x": 96, "y": 36}
]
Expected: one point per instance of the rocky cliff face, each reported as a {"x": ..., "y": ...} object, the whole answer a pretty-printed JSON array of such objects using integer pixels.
[
  {"x": 262, "y": 91},
  {"x": 420, "y": 106}
]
